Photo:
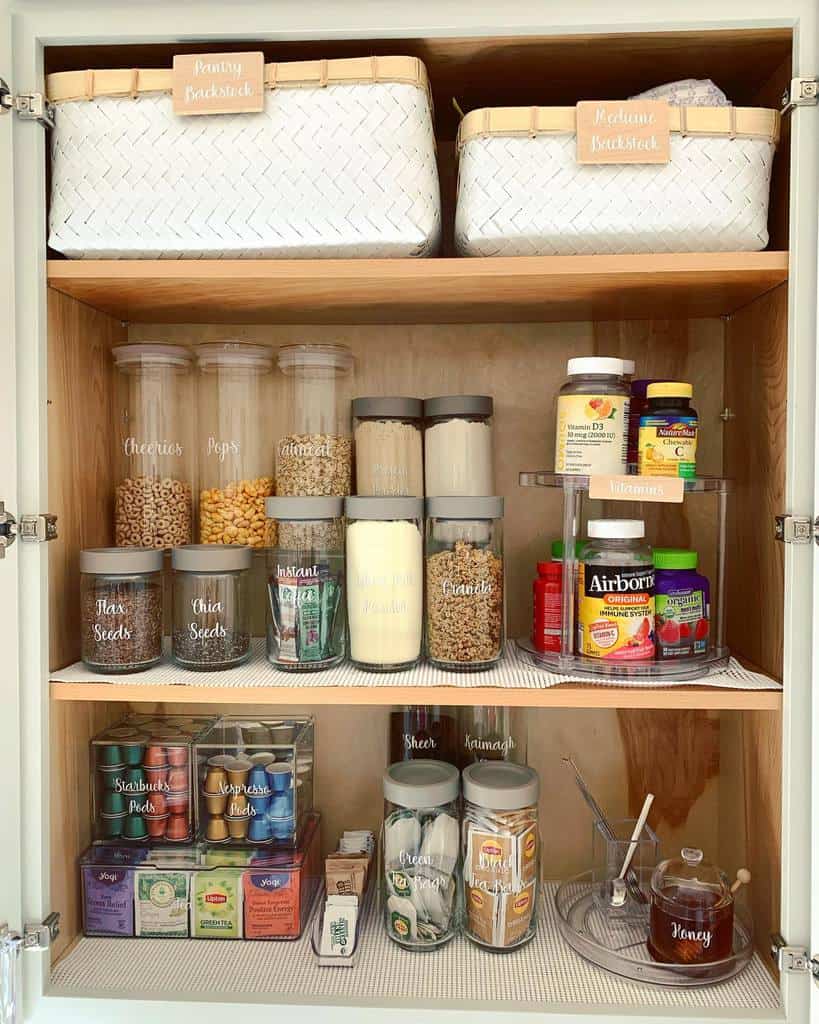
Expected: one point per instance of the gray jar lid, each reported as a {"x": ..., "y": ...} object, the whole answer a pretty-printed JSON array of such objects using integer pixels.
[
  {"x": 458, "y": 405},
  {"x": 384, "y": 508},
  {"x": 121, "y": 560},
  {"x": 419, "y": 784},
  {"x": 211, "y": 557},
  {"x": 397, "y": 407},
  {"x": 304, "y": 508},
  {"x": 465, "y": 508},
  {"x": 501, "y": 785}
]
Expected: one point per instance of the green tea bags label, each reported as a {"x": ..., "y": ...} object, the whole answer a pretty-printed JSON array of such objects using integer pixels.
[
  {"x": 161, "y": 904},
  {"x": 216, "y": 905}
]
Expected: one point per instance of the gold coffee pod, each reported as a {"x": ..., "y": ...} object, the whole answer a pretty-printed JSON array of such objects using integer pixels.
[
  {"x": 217, "y": 830},
  {"x": 237, "y": 806},
  {"x": 237, "y": 827},
  {"x": 216, "y": 803}
]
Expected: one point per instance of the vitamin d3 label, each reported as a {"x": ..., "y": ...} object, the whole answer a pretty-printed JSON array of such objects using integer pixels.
[{"x": 592, "y": 434}]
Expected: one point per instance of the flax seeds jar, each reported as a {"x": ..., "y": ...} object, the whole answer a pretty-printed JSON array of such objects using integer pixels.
[{"x": 592, "y": 418}]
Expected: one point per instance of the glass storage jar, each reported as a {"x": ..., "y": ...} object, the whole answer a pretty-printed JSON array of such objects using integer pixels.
[
  {"x": 211, "y": 608},
  {"x": 501, "y": 854},
  {"x": 592, "y": 418},
  {"x": 121, "y": 608},
  {"x": 487, "y": 733},
  {"x": 389, "y": 457},
  {"x": 464, "y": 582},
  {"x": 235, "y": 404},
  {"x": 420, "y": 731},
  {"x": 154, "y": 496},
  {"x": 421, "y": 853},
  {"x": 458, "y": 446},
  {"x": 306, "y": 607},
  {"x": 385, "y": 589},
  {"x": 315, "y": 456}
]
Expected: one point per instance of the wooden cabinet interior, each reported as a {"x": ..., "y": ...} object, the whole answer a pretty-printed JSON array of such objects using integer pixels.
[{"x": 717, "y": 775}]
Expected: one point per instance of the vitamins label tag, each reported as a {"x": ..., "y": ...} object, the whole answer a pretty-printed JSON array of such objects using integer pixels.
[
  {"x": 592, "y": 434},
  {"x": 636, "y": 488},
  {"x": 623, "y": 132},
  {"x": 218, "y": 83},
  {"x": 616, "y": 612}
]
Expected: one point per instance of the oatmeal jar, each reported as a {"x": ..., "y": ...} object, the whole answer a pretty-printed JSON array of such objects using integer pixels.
[
  {"x": 121, "y": 608},
  {"x": 211, "y": 608},
  {"x": 458, "y": 456},
  {"x": 306, "y": 606},
  {"x": 154, "y": 497},
  {"x": 421, "y": 853},
  {"x": 389, "y": 458},
  {"x": 235, "y": 403},
  {"x": 314, "y": 456},
  {"x": 464, "y": 582}
]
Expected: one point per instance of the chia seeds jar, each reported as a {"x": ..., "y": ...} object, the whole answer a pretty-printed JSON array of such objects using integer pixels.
[
  {"x": 211, "y": 608},
  {"x": 306, "y": 608},
  {"x": 154, "y": 498},
  {"x": 593, "y": 418},
  {"x": 121, "y": 608},
  {"x": 501, "y": 854},
  {"x": 464, "y": 582},
  {"x": 421, "y": 853},
  {"x": 389, "y": 460},
  {"x": 235, "y": 444},
  {"x": 385, "y": 589},
  {"x": 315, "y": 456},
  {"x": 458, "y": 445}
]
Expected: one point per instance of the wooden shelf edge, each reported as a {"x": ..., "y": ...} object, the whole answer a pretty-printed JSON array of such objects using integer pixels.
[{"x": 567, "y": 695}]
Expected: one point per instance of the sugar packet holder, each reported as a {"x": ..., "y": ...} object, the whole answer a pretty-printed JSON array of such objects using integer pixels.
[{"x": 333, "y": 915}]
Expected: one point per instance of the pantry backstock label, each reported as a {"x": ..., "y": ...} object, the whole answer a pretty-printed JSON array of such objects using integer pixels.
[
  {"x": 218, "y": 83},
  {"x": 623, "y": 132},
  {"x": 636, "y": 488}
]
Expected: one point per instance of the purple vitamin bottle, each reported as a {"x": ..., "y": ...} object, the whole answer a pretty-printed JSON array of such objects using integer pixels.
[{"x": 682, "y": 621}]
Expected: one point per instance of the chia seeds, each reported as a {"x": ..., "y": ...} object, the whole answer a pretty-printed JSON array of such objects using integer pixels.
[{"x": 217, "y": 652}]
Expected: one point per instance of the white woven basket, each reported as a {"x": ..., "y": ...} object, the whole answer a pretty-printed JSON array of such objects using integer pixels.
[
  {"x": 521, "y": 191},
  {"x": 341, "y": 163}
]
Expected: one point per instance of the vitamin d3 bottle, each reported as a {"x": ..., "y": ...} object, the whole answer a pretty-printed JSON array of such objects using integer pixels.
[
  {"x": 592, "y": 418},
  {"x": 615, "y": 593}
]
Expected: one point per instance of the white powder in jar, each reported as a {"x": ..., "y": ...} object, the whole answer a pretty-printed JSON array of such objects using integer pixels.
[
  {"x": 384, "y": 591},
  {"x": 458, "y": 458},
  {"x": 388, "y": 459}
]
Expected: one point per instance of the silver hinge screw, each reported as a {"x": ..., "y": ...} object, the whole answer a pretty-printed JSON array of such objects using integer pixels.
[
  {"x": 803, "y": 92},
  {"x": 31, "y": 106},
  {"x": 796, "y": 529},
  {"x": 793, "y": 959}
]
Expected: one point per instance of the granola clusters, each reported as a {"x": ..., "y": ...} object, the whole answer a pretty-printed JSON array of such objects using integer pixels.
[{"x": 153, "y": 512}]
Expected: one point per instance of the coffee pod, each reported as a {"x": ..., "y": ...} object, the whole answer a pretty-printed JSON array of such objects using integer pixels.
[
  {"x": 113, "y": 777},
  {"x": 282, "y": 828},
  {"x": 114, "y": 804},
  {"x": 238, "y": 806},
  {"x": 263, "y": 757},
  {"x": 157, "y": 825},
  {"x": 132, "y": 754},
  {"x": 112, "y": 825},
  {"x": 217, "y": 831},
  {"x": 157, "y": 803},
  {"x": 178, "y": 757},
  {"x": 177, "y": 803},
  {"x": 157, "y": 778},
  {"x": 237, "y": 772},
  {"x": 134, "y": 827},
  {"x": 177, "y": 829},
  {"x": 216, "y": 803},
  {"x": 220, "y": 760},
  {"x": 259, "y": 830},
  {"x": 280, "y": 776},
  {"x": 155, "y": 757},
  {"x": 281, "y": 805},
  {"x": 215, "y": 779},
  {"x": 238, "y": 827},
  {"x": 109, "y": 756},
  {"x": 283, "y": 735}
]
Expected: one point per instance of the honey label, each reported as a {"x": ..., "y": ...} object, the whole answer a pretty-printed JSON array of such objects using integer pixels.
[
  {"x": 623, "y": 132},
  {"x": 615, "y": 614},
  {"x": 218, "y": 83},
  {"x": 592, "y": 434},
  {"x": 668, "y": 446}
]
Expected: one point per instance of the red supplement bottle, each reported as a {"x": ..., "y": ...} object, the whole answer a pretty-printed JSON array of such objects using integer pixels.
[{"x": 548, "y": 606}]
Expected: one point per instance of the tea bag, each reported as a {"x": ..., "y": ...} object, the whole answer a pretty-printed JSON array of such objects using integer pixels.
[
  {"x": 402, "y": 835},
  {"x": 440, "y": 843},
  {"x": 403, "y": 918}
]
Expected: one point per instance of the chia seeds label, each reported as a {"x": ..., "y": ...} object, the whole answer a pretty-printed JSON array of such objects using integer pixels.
[
  {"x": 615, "y": 615},
  {"x": 668, "y": 446},
  {"x": 592, "y": 434}
]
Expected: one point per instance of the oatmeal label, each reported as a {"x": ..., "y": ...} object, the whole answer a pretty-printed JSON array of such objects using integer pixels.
[
  {"x": 218, "y": 83},
  {"x": 623, "y": 132}
]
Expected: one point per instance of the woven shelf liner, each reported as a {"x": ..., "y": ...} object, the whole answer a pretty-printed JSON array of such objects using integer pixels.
[{"x": 515, "y": 671}]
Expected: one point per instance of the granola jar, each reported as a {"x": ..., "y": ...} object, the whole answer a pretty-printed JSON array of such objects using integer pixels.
[
  {"x": 314, "y": 457},
  {"x": 154, "y": 498},
  {"x": 235, "y": 403},
  {"x": 464, "y": 582}
]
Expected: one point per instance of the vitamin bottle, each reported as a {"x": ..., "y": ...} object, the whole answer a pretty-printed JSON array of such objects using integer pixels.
[
  {"x": 547, "y": 594},
  {"x": 592, "y": 418},
  {"x": 615, "y": 592},
  {"x": 683, "y": 605},
  {"x": 668, "y": 432}
]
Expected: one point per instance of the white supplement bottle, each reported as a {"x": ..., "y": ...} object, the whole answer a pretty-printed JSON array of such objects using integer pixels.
[{"x": 592, "y": 418}]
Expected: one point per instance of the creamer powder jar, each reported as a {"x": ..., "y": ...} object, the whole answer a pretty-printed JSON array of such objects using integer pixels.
[{"x": 592, "y": 418}]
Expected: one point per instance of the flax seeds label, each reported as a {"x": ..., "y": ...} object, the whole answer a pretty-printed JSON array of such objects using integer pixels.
[
  {"x": 668, "y": 446},
  {"x": 615, "y": 614},
  {"x": 592, "y": 434}
]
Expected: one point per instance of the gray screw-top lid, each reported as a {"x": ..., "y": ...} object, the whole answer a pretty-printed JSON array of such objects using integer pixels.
[
  {"x": 211, "y": 557},
  {"x": 419, "y": 784},
  {"x": 501, "y": 785},
  {"x": 398, "y": 407},
  {"x": 384, "y": 508},
  {"x": 465, "y": 508},
  {"x": 458, "y": 405},
  {"x": 304, "y": 508},
  {"x": 120, "y": 560}
]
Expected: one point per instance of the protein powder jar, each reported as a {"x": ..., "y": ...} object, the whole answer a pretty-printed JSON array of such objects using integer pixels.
[
  {"x": 615, "y": 592},
  {"x": 592, "y": 418}
]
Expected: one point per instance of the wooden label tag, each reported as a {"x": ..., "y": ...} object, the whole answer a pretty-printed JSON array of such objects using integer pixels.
[
  {"x": 637, "y": 488},
  {"x": 623, "y": 132},
  {"x": 218, "y": 83}
]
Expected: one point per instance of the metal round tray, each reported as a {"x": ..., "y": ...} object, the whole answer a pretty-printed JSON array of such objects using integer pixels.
[{"x": 619, "y": 945}]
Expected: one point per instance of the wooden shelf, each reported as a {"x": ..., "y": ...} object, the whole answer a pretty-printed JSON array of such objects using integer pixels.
[{"x": 545, "y": 289}]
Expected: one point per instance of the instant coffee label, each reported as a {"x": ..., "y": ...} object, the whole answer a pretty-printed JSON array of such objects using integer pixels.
[{"x": 616, "y": 611}]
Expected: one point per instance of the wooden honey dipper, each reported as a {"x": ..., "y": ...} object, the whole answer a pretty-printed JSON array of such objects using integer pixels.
[{"x": 743, "y": 878}]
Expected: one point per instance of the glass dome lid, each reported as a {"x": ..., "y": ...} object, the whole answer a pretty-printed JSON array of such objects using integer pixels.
[{"x": 690, "y": 880}]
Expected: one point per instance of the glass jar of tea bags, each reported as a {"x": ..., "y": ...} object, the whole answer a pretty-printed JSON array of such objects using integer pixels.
[
  {"x": 389, "y": 457},
  {"x": 423, "y": 731},
  {"x": 501, "y": 852},
  {"x": 306, "y": 607},
  {"x": 491, "y": 734},
  {"x": 421, "y": 853},
  {"x": 121, "y": 608},
  {"x": 211, "y": 627}
]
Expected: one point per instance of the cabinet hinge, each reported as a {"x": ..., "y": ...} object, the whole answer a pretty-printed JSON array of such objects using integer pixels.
[
  {"x": 793, "y": 959},
  {"x": 803, "y": 92},
  {"x": 35, "y": 936},
  {"x": 797, "y": 529},
  {"x": 37, "y": 528},
  {"x": 31, "y": 106}
]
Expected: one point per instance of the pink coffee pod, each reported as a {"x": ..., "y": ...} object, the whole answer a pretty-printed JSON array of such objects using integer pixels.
[
  {"x": 157, "y": 825},
  {"x": 157, "y": 804},
  {"x": 178, "y": 756},
  {"x": 177, "y": 829},
  {"x": 178, "y": 780},
  {"x": 155, "y": 757},
  {"x": 177, "y": 803},
  {"x": 157, "y": 778}
]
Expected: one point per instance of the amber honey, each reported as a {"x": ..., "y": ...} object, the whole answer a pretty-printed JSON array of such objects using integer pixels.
[{"x": 690, "y": 926}]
